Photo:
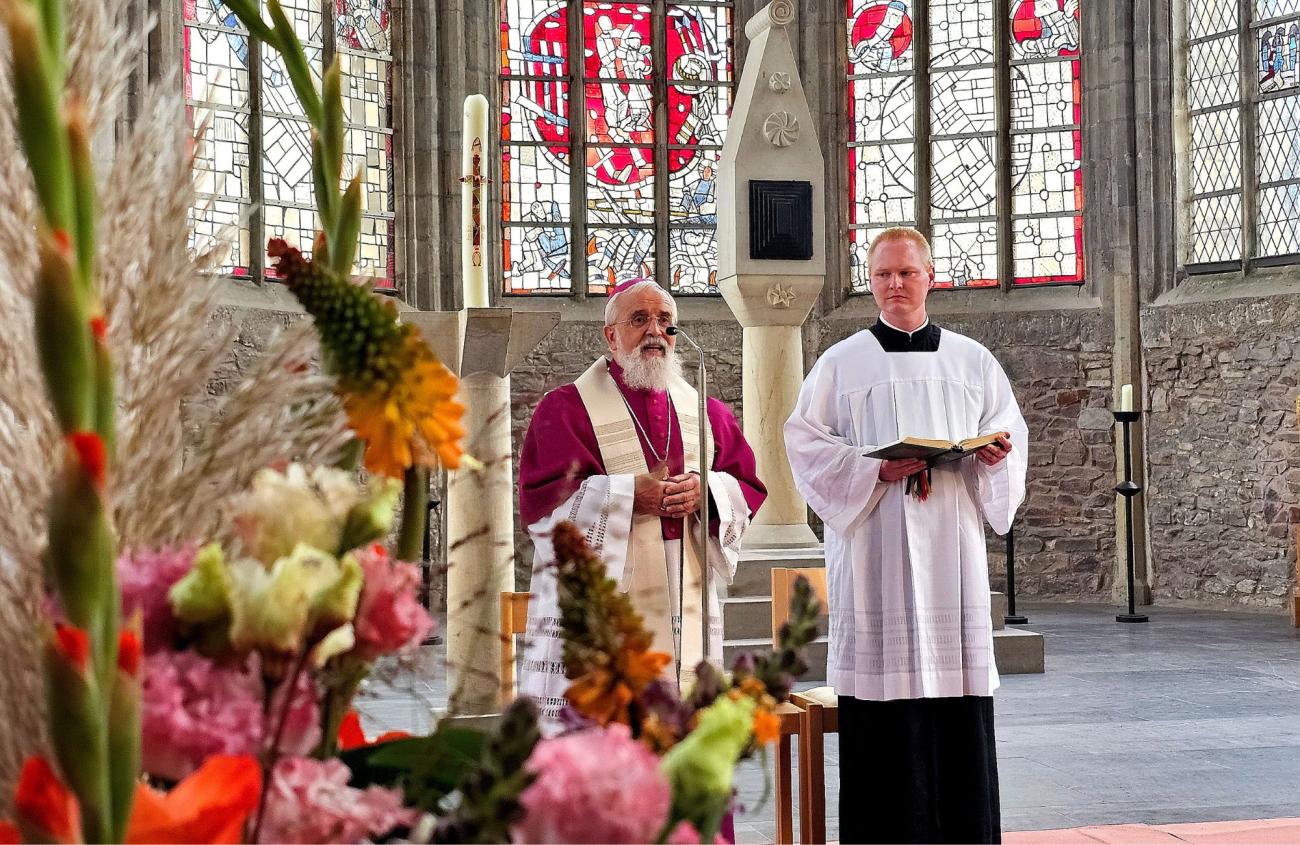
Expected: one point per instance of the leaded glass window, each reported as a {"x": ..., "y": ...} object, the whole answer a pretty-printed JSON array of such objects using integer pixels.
[
  {"x": 592, "y": 93},
  {"x": 964, "y": 121},
  {"x": 253, "y": 170},
  {"x": 1243, "y": 102}
]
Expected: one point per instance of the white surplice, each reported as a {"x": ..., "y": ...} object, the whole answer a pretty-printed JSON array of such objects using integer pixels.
[
  {"x": 645, "y": 565},
  {"x": 907, "y": 579}
]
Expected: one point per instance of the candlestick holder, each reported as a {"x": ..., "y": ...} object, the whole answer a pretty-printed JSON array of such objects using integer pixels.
[
  {"x": 1128, "y": 488},
  {"x": 1012, "y": 618}
]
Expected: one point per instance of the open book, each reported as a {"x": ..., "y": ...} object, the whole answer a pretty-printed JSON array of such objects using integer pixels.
[{"x": 934, "y": 452}]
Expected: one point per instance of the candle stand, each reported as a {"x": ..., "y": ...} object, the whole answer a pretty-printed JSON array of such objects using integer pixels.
[
  {"x": 1012, "y": 618},
  {"x": 1128, "y": 488}
]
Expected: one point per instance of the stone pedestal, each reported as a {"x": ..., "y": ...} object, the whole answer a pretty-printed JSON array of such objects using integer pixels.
[
  {"x": 482, "y": 346},
  {"x": 771, "y": 255}
]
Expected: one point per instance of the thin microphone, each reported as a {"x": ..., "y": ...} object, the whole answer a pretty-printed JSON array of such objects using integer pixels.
[{"x": 674, "y": 331}]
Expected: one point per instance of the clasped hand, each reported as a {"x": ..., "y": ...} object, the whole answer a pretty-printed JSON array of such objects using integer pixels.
[{"x": 662, "y": 495}]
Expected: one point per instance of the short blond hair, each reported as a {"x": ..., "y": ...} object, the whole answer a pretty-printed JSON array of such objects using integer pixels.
[{"x": 901, "y": 233}]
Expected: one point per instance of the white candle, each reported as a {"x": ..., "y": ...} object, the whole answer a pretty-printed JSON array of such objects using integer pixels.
[
  {"x": 1126, "y": 398},
  {"x": 473, "y": 258}
]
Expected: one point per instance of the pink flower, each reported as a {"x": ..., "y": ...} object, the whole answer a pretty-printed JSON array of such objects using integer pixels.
[
  {"x": 144, "y": 578},
  {"x": 310, "y": 801},
  {"x": 192, "y": 708},
  {"x": 389, "y": 617},
  {"x": 596, "y": 785}
]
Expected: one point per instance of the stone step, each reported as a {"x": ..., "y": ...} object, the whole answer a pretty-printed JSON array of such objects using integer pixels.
[
  {"x": 816, "y": 654},
  {"x": 754, "y": 572},
  {"x": 1019, "y": 652},
  {"x": 750, "y": 617},
  {"x": 998, "y": 607}
]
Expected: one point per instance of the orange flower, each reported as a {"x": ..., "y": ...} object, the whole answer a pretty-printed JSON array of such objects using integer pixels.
[
  {"x": 642, "y": 667},
  {"x": 414, "y": 420},
  {"x": 600, "y": 695},
  {"x": 351, "y": 736},
  {"x": 767, "y": 727},
  {"x": 47, "y": 810},
  {"x": 211, "y": 805}
]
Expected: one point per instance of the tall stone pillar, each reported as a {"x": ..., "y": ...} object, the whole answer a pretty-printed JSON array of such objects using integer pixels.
[
  {"x": 482, "y": 346},
  {"x": 771, "y": 260}
]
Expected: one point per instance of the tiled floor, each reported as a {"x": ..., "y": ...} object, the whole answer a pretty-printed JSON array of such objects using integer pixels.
[{"x": 1194, "y": 717}]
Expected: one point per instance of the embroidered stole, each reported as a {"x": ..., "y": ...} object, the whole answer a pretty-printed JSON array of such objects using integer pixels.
[{"x": 645, "y": 576}]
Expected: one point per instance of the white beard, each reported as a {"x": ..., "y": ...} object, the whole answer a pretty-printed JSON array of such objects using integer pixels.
[{"x": 645, "y": 372}]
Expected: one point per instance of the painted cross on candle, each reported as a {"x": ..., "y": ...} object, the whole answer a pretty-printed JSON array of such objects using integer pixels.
[{"x": 473, "y": 267}]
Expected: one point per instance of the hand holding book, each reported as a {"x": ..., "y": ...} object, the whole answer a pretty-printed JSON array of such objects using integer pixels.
[{"x": 912, "y": 457}]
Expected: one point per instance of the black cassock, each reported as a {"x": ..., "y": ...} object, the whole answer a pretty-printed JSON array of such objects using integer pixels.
[{"x": 918, "y": 770}]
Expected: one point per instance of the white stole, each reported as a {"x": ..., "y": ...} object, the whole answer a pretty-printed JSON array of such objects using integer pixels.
[{"x": 644, "y": 576}]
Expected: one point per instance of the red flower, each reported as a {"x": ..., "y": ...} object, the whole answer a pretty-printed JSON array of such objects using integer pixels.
[
  {"x": 46, "y": 808},
  {"x": 73, "y": 644},
  {"x": 99, "y": 327},
  {"x": 89, "y": 447},
  {"x": 351, "y": 736},
  {"x": 128, "y": 653},
  {"x": 210, "y": 805}
]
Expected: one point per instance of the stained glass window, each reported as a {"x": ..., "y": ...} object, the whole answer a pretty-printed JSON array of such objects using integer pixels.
[
  {"x": 973, "y": 142},
  {"x": 253, "y": 169},
  {"x": 653, "y": 83},
  {"x": 1243, "y": 162}
]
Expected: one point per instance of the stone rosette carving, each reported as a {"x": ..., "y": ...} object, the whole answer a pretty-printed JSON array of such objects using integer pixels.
[
  {"x": 781, "y": 129},
  {"x": 779, "y": 81},
  {"x": 780, "y": 296}
]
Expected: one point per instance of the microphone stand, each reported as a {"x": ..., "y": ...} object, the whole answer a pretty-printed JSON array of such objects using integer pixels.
[{"x": 702, "y": 387}]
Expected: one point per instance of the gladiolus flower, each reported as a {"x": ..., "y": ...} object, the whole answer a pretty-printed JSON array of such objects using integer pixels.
[
  {"x": 73, "y": 644},
  {"x": 210, "y": 805},
  {"x": 47, "y": 810},
  {"x": 352, "y": 736},
  {"x": 89, "y": 449},
  {"x": 128, "y": 653}
]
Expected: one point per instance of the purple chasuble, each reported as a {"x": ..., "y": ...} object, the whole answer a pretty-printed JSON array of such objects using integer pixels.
[{"x": 560, "y": 449}]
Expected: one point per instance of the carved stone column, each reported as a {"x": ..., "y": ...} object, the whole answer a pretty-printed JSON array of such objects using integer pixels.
[
  {"x": 771, "y": 259},
  {"x": 482, "y": 346}
]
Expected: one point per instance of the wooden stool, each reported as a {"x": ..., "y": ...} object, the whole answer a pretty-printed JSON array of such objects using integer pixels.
[
  {"x": 791, "y": 723},
  {"x": 819, "y": 710},
  {"x": 514, "y": 621},
  {"x": 821, "y": 715}
]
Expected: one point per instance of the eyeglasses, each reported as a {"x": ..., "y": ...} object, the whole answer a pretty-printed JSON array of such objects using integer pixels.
[{"x": 640, "y": 321}]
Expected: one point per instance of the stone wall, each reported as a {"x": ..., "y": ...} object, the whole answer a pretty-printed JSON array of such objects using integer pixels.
[
  {"x": 1223, "y": 450},
  {"x": 1059, "y": 364}
]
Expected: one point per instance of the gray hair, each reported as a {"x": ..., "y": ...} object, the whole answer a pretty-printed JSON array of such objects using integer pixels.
[{"x": 611, "y": 305}]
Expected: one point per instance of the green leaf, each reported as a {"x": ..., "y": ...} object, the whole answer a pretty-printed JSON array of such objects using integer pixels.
[
  {"x": 344, "y": 249},
  {"x": 427, "y": 768},
  {"x": 295, "y": 62},
  {"x": 251, "y": 17}
]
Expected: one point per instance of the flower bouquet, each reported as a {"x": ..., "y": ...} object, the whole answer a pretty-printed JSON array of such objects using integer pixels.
[{"x": 210, "y": 585}]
